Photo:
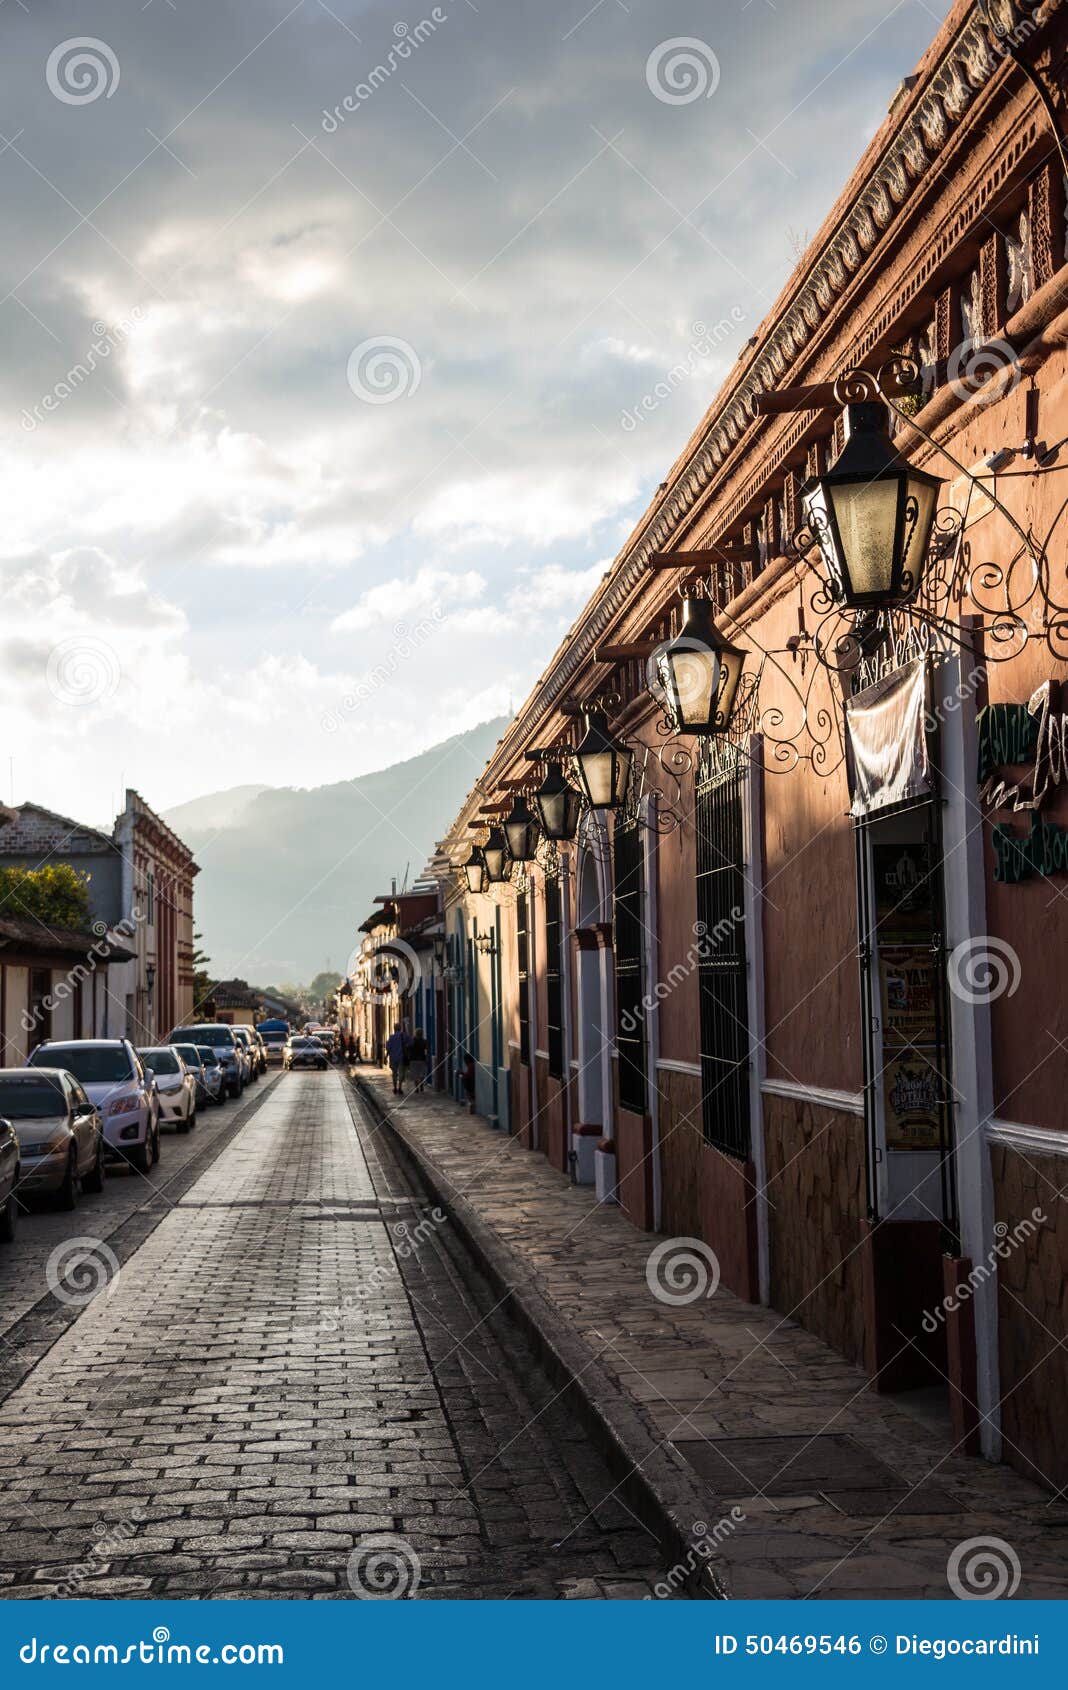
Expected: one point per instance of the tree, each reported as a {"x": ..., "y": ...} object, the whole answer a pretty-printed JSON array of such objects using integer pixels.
[
  {"x": 324, "y": 986},
  {"x": 203, "y": 979},
  {"x": 57, "y": 895}
]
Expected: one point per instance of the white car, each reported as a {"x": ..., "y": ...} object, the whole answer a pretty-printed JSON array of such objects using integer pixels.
[
  {"x": 176, "y": 1085},
  {"x": 115, "y": 1079}
]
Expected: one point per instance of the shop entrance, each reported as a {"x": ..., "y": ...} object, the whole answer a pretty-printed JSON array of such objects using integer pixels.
[{"x": 908, "y": 1096}]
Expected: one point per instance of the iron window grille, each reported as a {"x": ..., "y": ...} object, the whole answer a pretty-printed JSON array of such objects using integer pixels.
[
  {"x": 722, "y": 975},
  {"x": 629, "y": 955},
  {"x": 523, "y": 951},
  {"x": 554, "y": 976}
]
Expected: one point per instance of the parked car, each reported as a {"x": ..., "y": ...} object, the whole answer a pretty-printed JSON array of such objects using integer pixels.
[
  {"x": 213, "y": 1073},
  {"x": 115, "y": 1079},
  {"x": 274, "y": 1042},
  {"x": 244, "y": 1038},
  {"x": 177, "y": 1087},
  {"x": 220, "y": 1038},
  {"x": 301, "y": 1052},
  {"x": 59, "y": 1130},
  {"x": 194, "y": 1062},
  {"x": 9, "y": 1181},
  {"x": 260, "y": 1049}
]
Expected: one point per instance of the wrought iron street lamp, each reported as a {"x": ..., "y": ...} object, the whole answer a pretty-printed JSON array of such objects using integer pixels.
[
  {"x": 475, "y": 870},
  {"x": 602, "y": 764},
  {"x": 872, "y": 515},
  {"x": 496, "y": 858},
  {"x": 521, "y": 830},
  {"x": 559, "y": 805},
  {"x": 699, "y": 672}
]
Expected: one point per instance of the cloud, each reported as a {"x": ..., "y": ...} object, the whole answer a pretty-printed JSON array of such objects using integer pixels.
[{"x": 406, "y": 596}]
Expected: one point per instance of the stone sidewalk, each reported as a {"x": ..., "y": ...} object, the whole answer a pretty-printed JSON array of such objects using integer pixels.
[{"x": 883, "y": 1510}]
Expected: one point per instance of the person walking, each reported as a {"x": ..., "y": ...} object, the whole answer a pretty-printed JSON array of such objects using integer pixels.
[
  {"x": 469, "y": 1081},
  {"x": 417, "y": 1060},
  {"x": 397, "y": 1052}
]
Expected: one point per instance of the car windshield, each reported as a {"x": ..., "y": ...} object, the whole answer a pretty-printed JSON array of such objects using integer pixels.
[
  {"x": 94, "y": 1065},
  {"x": 206, "y": 1054},
  {"x": 189, "y": 1053},
  {"x": 217, "y": 1037},
  {"x": 161, "y": 1061},
  {"x": 304, "y": 1044},
  {"x": 31, "y": 1100}
]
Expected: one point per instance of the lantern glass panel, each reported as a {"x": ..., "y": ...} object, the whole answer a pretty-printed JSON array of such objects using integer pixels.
[
  {"x": 495, "y": 856},
  {"x": 865, "y": 514}
]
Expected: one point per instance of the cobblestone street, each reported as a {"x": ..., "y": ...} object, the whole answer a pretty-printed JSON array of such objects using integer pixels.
[{"x": 300, "y": 1358}]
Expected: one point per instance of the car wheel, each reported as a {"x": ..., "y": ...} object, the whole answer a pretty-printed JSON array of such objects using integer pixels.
[
  {"x": 234, "y": 1090},
  {"x": 139, "y": 1157},
  {"x": 192, "y": 1121},
  {"x": 94, "y": 1179},
  {"x": 9, "y": 1215},
  {"x": 155, "y": 1145},
  {"x": 67, "y": 1195}
]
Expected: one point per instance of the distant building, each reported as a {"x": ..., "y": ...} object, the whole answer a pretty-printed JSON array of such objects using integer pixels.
[{"x": 140, "y": 892}]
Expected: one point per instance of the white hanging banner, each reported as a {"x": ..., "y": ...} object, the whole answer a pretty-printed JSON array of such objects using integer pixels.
[{"x": 889, "y": 756}]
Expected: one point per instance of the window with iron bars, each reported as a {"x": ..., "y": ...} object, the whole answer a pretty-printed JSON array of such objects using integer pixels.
[
  {"x": 523, "y": 952},
  {"x": 554, "y": 976},
  {"x": 629, "y": 954},
  {"x": 722, "y": 967}
]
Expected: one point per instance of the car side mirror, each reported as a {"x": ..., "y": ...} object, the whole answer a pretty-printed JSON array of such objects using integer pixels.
[
  {"x": 81, "y": 1110},
  {"x": 150, "y": 1075}
]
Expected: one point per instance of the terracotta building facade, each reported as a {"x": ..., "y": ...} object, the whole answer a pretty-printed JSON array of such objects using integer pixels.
[{"x": 798, "y": 996}]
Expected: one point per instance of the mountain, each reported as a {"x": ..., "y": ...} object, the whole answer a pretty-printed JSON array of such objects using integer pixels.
[
  {"x": 218, "y": 809},
  {"x": 287, "y": 874}
]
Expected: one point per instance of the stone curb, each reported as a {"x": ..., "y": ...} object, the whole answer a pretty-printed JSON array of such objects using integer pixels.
[{"x": 656, "y": 1482}]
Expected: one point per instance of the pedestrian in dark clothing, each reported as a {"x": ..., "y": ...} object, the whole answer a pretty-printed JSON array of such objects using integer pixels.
[
  {"x": 397, "y": 1052},
  {"x": 417, "y": 1059},
  {"x": 469, "y": 1081},
  {"x": 354, "y": 1049}
]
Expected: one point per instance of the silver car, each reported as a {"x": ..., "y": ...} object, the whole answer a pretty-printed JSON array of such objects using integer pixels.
[
  {"x": 115, "y": 1079},
  {"x": 9, "y": 1181},
  {"x": 214, "y": 1074},
  {"x": 176, "y": 1086},
  {"x": 252, "y": 1055},
  {"x": 196, "y": 1063},
  {"x": 60, "y": 1132}
]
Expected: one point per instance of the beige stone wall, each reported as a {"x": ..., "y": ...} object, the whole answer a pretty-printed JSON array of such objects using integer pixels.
[
  {"x": 816, "y": 1208},
  {"x": 1033, "y": 1313}
]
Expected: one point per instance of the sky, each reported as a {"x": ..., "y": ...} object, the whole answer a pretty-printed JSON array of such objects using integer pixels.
[{"x": 335, "y": 344}]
